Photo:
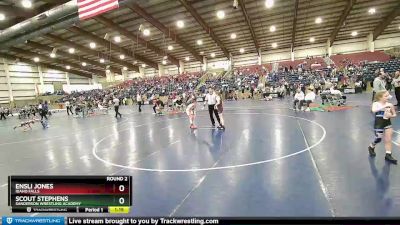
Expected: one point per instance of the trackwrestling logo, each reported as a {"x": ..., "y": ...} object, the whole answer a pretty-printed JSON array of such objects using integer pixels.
[{"x": 20, "y": 220}]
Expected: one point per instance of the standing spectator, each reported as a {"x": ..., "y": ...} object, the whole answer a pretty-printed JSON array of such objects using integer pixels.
[
  {"x": 396, "y": 84},
  {"x": 220, "y": 109},
  {"x": 379, "y": 84},
  {"x": 388, "y": 80},
  {"x": 2, "y": 113}
]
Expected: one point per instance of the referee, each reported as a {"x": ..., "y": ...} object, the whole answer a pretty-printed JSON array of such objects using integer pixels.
[
  {"x": 211, "y": 100},
  {"x": 116, "y": 107}
]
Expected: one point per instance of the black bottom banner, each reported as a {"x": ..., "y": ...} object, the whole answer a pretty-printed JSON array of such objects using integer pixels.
[{"x": 227, "y": 221}]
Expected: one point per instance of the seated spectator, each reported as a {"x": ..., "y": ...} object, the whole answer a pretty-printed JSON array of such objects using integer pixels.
[
  {"x": 338, "y": 94},
  {"x": 299, "y": 96},
  {"x": 308, "y": 99}
]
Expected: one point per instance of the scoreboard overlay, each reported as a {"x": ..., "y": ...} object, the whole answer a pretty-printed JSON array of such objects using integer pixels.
[{"x": 89, "y": 194}]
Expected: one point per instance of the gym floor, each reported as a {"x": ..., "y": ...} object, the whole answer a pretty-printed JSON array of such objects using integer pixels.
[{"x": 270, "y": 161}]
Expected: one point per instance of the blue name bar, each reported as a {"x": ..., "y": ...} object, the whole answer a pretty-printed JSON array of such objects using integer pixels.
[{"x": 18, "y": 220}]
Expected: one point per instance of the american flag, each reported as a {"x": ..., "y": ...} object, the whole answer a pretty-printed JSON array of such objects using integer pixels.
[{"x": 91, "y": 8}]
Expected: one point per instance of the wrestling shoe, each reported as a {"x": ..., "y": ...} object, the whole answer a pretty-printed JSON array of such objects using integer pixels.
[
  {"x": 390, "y": 158},
  {"x": 371, "y": 151}
]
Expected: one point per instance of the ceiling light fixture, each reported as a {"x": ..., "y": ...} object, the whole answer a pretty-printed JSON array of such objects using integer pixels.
[
  {"x": 122, "y": 56},
  {"x": 164, "y": 62},
  {"x": 143, "y": 65},
  {"x": 117, "y": 39},
  {"x": 187, "y": 58},
  {"x": 274, "y": 45},
  {"x": 26, "y": 3},
  {"x": 213, "y": 55},
  {"x": 92, "y": 45},
  {"x": 71, "y": 50},
  {"x": 84, "y": 64},
  {"x": 146, "y": 32},
  {"x": 102, "y": 60},
  {"x": 36, "y": 59},
  {"x": 241, "y": 50},
  {"x": 312, "y": 39},
  {"x": 269, "y": 3},
  {"x": 125, "y": 68},
  {"x": 170, "y": 47},
  {"x": 272, "y": 28},
  {"x": 318, "y": 20},
  {"x": 354, "y": 33},
  {"x": 68, "y": 67},
  {"x": 2, "y": 17},
  {"x": 180, "y": 24},
  {"x": 199, "y": 42},
  {"x": 233, "y": 36},
  {"x": 220, "y": 14},
  {"x": 372, "y": 11}
]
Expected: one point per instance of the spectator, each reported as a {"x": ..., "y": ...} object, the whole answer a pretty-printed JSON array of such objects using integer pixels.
[
  {"x": 379, "y": 84},
  {"x": 308, "y": 99},
  {"x": 299, "y": 96},
  {"x": 396, "y": 84},
  {"x": 69, "y": 108},
  {"x": 2, "y": 113}
]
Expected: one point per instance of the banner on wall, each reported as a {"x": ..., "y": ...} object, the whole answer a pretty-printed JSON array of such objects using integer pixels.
[
  {"x": 219, "y": 65},
  {"x": 119, "y": 78},
  {"x": 44, "y": 89},
  {"x": 76, "y": 88}
]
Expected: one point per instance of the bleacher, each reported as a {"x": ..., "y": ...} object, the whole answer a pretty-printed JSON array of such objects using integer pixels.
[
  {"x": 314, "y": 63},
  {"x": 357, "y": 58},
  {"x": 250, "y": 69},
  {"x": 390, "y": 66}
]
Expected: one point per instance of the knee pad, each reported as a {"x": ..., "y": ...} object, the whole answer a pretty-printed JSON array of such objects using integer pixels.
[
  {"x": 377, "y": 140},
  {"x": 378, "y": 136}
]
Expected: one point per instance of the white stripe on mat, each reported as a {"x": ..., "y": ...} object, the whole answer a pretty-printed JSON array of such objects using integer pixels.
[{"x": 321, "y": 182}]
